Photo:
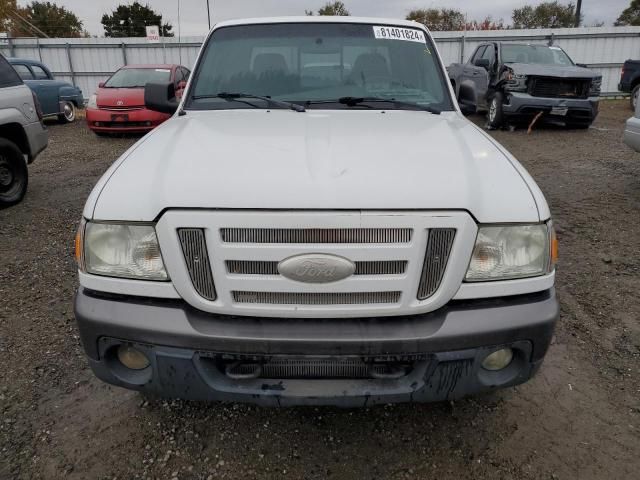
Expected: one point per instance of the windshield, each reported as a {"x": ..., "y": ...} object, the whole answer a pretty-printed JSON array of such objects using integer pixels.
[
  {"x": 538, "y": 54},
  {"x": 138, "y": 77},
  {"x": 319, "y": 63}
]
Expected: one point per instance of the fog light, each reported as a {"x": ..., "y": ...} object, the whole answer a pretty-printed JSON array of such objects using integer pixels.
[
  {"x": 132, "y": 358},
  {"x": 498, "y": 360}
]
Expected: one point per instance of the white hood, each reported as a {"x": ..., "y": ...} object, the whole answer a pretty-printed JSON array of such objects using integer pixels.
[{"x": 341, "y": 159}]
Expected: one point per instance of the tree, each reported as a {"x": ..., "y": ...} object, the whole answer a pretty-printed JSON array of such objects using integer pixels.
[
  {"x": 47, "y": 18},
  {"x": 332, "y": 9},
  {"x": 487, "y": 24},
  {"x": 6, "y": 20},
  {"x": 546, "y": 15},
  {"x": 630, "y": 16},
  {"x": 131, "y": 20},
  {"x": 443, "y": 19}
]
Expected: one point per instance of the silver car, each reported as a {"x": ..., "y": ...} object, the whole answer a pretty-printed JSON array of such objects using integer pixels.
[
  {"x": 22, "y": 134},
  {"x": 632, "y": 130}
]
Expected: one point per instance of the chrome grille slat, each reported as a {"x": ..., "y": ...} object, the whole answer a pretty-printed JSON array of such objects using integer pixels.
[
  {"x": 436, "y": 259},
  {"x": 194, "y": 249},
  {"x": 315, "y": 368},
  {"x": 316, "y": 235},
  {"x": 257, "y": 267},
  {"x": 314, "y": 298},
  {"x": 381, "y": 267}
]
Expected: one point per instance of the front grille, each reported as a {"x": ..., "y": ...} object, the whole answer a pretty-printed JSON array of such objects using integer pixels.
[
  {"x": 250, "y": 368},
  {"x": 255, "y": 267},
  {"x": 436, "y": 258},
  {"x": 316, "y": 235},
  {"x": 312, "y": 298},
  {"x": 194, "y": 249},
  {"x": 559, "y": 87},
  {"x": 122, "y": 124},
  {"x": 315, "y": 368}
]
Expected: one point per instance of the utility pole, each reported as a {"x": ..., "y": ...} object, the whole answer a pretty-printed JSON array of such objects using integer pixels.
[
  {"x": 208, "y": 15},
  {"x": 578, "y": 13}
]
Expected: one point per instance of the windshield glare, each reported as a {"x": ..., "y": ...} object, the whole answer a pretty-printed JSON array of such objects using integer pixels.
[
  {"x": 138, "y": 77},
  {"x": 319, "y": 62},
  {"x": 538, "y": 54}
]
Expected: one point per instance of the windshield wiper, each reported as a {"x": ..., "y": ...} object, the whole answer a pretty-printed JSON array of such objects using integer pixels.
[
  {"x": 355, "y": 101},
  {"x": 230, "y": 97}
]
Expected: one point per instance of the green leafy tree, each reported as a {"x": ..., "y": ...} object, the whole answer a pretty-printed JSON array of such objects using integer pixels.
[
  {"x": 131, "y": 20},
  {"x": 47, "y": 18},
  {"x": 332, "y": 9},
  {"x": 438, "y": 19},
  {"x": 630, "y": 16},
  {"x": 545, "y": 15}
]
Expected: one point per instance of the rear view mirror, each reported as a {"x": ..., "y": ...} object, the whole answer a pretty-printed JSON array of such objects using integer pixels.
[
  {"x": 161, "y": 97},
  {"x": 467, "y": 99}
]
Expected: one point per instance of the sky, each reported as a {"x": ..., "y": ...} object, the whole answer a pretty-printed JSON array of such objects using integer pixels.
[{"x": 193, "y": 13}]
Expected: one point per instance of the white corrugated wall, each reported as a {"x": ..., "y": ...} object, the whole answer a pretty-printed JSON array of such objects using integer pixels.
[{"x": 88, "y": 61}]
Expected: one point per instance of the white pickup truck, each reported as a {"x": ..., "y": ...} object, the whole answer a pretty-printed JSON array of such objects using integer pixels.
[{"x": 317, "y": 223}]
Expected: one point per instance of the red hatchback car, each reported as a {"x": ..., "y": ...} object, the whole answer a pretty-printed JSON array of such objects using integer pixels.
[{"x": 118, "y": 105}]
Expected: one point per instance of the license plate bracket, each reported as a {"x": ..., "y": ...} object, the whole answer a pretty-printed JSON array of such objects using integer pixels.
[{"x": 120, "y": 117}]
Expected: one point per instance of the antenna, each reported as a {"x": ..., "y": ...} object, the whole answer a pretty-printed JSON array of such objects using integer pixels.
[{"x": 208, "y": 15}]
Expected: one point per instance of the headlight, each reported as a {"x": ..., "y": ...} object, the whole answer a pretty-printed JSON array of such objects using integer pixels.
[
  {"x": 595, "y": 87},
  {"x": 121, "y": 250},
  {"x": 93, "y": 101},
  {"x": 515, "y": 82},
  {"x": 510, "y": 252}
]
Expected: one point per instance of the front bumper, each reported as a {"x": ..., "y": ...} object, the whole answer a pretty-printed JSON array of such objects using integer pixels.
[
  {"x": 524, "y": 106},
  {"x": 123, "y": 121},
  {"x": 447, "y": 347}
]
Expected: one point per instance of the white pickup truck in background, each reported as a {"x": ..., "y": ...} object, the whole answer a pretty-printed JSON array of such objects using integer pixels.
[{"x": 317, "y": 223}]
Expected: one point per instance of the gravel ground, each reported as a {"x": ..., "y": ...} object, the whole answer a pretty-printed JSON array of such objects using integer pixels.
[{"x": 578, "y": 419}]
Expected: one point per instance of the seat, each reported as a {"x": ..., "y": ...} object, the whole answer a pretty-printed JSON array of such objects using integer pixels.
[
  {"x": 269, "y": 63},
  {"x": 370, "y": 68}
]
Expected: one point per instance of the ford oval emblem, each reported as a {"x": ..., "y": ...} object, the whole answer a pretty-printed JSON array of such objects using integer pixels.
[
  {"x": 316, "y": 268},
  {"x": 119, "y": 103}
]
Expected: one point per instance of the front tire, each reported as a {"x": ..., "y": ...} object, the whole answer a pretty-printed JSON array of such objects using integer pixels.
[
  {"x": 14, "y": 175},
  {"x": 68, "y": 114},
  {"x": 495, "y": 116}
]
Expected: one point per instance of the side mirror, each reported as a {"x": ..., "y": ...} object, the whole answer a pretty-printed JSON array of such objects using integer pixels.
[
  {"x": 467, "y": 99},
  {"x": 101, "y": 85},
  {"x": 483, "y": 63},
  {"x": 161, "y": 97}
]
